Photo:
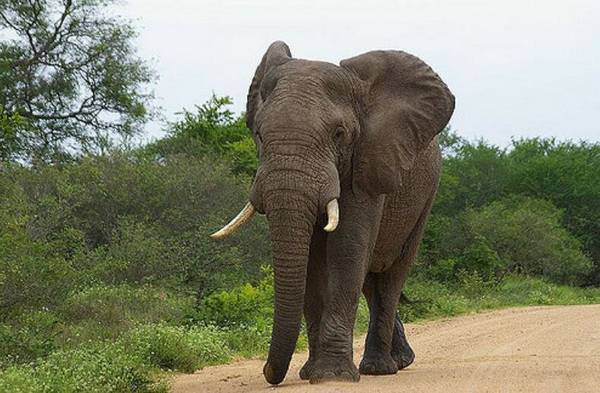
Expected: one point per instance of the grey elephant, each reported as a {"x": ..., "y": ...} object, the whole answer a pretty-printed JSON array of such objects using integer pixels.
[{"x": 349, "y": 167}]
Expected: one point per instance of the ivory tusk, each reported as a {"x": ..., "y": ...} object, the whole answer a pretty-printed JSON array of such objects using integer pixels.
[
  {"x": 333, "y": 215},
  {"x": 243, "y": 217}
]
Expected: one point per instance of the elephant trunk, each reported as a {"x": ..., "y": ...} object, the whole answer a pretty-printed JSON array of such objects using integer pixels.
[
  {"x": 291, "y": 216},
  {"x": 292, "y": 190}
]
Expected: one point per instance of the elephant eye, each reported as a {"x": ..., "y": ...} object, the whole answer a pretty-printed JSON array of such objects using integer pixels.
[
  {"x": 258, "y": 136},
  {"x": 339, "y": 133}
]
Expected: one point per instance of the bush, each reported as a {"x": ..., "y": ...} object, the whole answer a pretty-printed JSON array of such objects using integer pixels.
[
  {"x": 137, "y": 254},
  {"x": 479, "y": 260},
  {"x": 528, "y": 236},
  {"x": 443, "y": 270},
  {"x": 33, "y": 274},
  {"x": 519, "y": 290},
  {"x": 107, "y": 311},
  {"x": 176, "y": 347},
  {"x": 514, "y": 234},
  {"x": 123, "y": 219},
  {"x": 31, "y": 336},
  {"x": 243, "y": 306},
  {"x": 567, "y": 174},
  {"x": 431, "y": 299},
  {"x": 564, "y": 173},
  {"x": 102, "y": 370}
]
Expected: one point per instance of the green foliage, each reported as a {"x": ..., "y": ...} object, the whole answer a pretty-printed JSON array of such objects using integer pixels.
[
  {"x": 567, "y": 174},
  {"x": 443, "y": 270},
  {"x": 103, "y": 312},
  {"x": 480, "y": 259},
  {"x": 474, "y": 176},
  {"x": 178, "y": 348},
  {"x": 243, "y": 156},
  {"x": 564, "y": 173},
  {"x": 122, "y": 219},
  {"x": 11, "y": 134},
  {"x": 212, "y": 129},
  {"x": 212, "y": 124},
  {"x": 32, "y": 336},
  {"x": 514, "y": 234},
  {"x": 31, "y": 274},
  {"x": 71, "y": 71},
  {"x": 109, "y": 368},
  {"x": 435, "y": 299},
  {"x": 244, "y": 306},
  {"x": 137, "y": 253},
  {"x": 527, "y": 235}
]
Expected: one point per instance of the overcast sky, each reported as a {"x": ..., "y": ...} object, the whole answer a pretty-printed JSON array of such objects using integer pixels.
[{"x": 517, "y": 68}]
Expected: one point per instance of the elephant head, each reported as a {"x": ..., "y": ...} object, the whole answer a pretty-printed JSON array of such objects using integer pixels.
[{"x": 322, "y": 129}]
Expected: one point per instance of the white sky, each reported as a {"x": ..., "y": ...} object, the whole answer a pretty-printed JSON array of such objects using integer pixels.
[{"x": 517, "y": 68}]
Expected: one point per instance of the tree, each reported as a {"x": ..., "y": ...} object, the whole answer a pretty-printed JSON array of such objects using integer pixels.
[
  {"x": 211, "y": 129},
  {"x": 568, "y": 175},
  {"x": 70, "y": 74}
]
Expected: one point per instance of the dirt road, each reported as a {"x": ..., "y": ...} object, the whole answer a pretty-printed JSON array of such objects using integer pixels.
[{"x": 536, "y": 349}]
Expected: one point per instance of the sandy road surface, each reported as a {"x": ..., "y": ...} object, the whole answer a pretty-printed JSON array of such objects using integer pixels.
[{"x": 536, "y": 349}]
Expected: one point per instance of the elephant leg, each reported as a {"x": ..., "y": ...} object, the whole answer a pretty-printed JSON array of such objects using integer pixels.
[
  {"x": 316, "y": 282},
  {"x": 348, "y": 248},
  {"x": 377, "y": 358},
  {"x": 386, "y": 347}
]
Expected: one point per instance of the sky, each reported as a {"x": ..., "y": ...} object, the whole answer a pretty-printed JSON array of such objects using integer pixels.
[{"x": 517, "y": 68}]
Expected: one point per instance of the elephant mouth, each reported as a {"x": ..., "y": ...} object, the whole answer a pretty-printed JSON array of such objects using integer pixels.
[{"x": 246, "y": 214}]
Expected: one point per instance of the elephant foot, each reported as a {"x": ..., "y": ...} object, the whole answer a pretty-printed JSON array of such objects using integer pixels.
[
  {"x": 307, "y": 369},
  {"x": 404, "y": 358},
  {"x": 334, "y": 369},
  {"x": 402, "y": 353},
  {"x": 378, "y": 365}
]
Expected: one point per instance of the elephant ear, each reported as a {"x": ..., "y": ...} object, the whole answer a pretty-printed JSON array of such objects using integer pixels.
[
  {"x": 405, "y": 105},
  {"x": 277, "y": 54}
]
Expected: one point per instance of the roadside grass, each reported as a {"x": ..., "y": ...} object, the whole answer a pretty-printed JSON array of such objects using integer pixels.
[{"x": 144, "y": 336}]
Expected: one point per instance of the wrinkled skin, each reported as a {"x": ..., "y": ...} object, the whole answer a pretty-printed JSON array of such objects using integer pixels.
[{"x": 363, "y": 133}]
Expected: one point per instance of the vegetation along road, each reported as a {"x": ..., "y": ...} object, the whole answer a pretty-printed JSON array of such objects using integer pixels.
[{"x": 534, "y": 349}]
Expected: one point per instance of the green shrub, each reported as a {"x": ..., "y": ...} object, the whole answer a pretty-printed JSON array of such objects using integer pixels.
[
  {"x": 32, "y": 275},
  {"x": 243, "y": 156},
  {"x": 562, "y": 172},
  {"x": 443, "y": 270},
  {"x": 124, "y": 218},
  {"x": 527, "y": 235},
  {"x": 479, "y": 260},
  {"x": 565, "y": 173},
  {"x": 511, "y": 235},
  {"x": 474, "y": 284},
  {"x": 31, "y": 336},
  {"x": 19, "y": 380},
  {"x": 518, "y": 290},
  {"x": 431, "y": 299},
  {"x": 176, "y": 347},
  {"x": 102, "y": 370},
  {"x": 243, "y": 306},
  {"x": 253, "y": 340},
  {"x": 107, "y": 311},
  {"x": 137, "y": 253}
]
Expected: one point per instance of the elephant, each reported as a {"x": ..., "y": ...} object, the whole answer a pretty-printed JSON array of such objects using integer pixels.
[{"x": 349, "y": 166}]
